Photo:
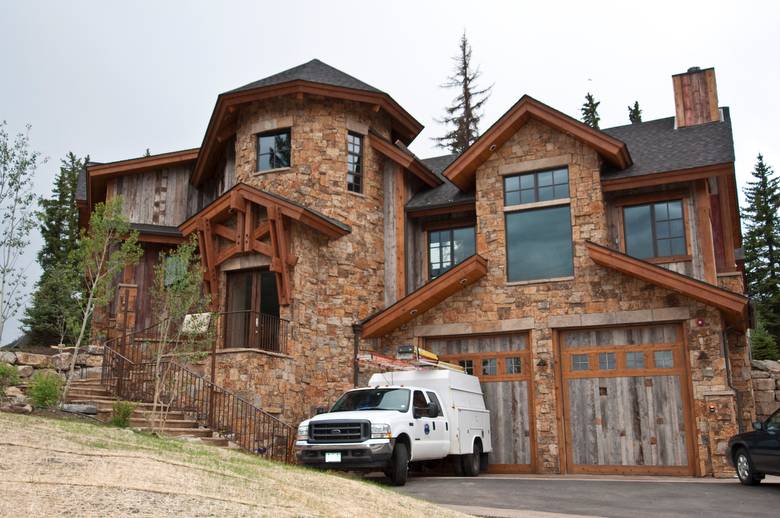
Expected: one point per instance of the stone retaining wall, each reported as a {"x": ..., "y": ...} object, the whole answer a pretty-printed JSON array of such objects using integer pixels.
[
  {"x": 766, "y": 387},
  {"x": 88, "y": 362}
]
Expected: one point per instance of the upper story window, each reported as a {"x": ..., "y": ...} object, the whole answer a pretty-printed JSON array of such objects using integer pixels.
[
  {"x": 655, "y": 229},
  {"x": 448, "y": 247},
  {"x": 354, "y": 162},
  {"x": 273, "y": 150},
  {"x": 538, "y": 226}
]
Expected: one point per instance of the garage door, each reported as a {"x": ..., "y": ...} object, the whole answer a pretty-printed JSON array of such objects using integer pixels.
[
  {"x": 502, "y": 363},
  {"x": 625, "y": 400}
]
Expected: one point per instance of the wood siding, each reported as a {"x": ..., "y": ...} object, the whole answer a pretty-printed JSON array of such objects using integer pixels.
[{"x": 155, "y": 197}]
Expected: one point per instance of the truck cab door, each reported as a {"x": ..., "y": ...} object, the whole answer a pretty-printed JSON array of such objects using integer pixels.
[
  {"x": 441, "y": 430},
  {"x": 423, "y": 447}
]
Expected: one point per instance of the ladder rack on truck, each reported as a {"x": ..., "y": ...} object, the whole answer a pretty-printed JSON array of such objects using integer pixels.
[{"x": 408, "y": 357}]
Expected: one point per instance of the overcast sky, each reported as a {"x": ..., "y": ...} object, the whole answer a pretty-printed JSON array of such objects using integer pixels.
[{"x": 110, "y": 79}]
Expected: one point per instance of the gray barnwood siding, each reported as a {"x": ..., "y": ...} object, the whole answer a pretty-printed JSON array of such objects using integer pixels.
[{"x": 155, "y": 197}]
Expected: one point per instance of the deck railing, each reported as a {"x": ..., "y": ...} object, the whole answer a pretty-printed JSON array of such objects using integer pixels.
[{"x": 255, "y": 330}]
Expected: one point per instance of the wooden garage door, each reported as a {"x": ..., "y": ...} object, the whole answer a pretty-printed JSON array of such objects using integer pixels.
[
  {"x": 502, "y": 363},
  {"x": 625, "y": 400}
]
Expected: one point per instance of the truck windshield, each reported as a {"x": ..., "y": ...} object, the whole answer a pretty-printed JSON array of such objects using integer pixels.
[{"x": 373, "y": 399}]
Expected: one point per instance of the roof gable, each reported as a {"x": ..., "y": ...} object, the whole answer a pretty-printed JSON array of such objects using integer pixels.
[{"x": 461, "y": 171}]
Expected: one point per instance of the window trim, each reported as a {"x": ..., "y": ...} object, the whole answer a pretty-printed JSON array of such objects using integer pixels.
[
  {"x": 283, "y": 129},
  {"x": 361, "y": 162},
  {"x": 526, "y": 363},
  {"x": 649, "y": 199},
  {"x": 452, "y": 228}
]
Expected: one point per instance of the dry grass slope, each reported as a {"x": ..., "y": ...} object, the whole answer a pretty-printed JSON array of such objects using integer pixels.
[{"x": 57, "y": 468}]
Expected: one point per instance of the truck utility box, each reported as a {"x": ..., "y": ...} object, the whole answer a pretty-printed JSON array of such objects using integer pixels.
[{"x": 461, "y": 399}]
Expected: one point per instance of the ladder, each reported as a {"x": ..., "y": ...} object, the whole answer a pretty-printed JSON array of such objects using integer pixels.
[{"x": 407, "y": 357}]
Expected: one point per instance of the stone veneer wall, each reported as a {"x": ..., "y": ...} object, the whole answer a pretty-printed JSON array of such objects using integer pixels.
[
  {"x": 335, "y": 282},
  {"x": 594, "y": 290}
]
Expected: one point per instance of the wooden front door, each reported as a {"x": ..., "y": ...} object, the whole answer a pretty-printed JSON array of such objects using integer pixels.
[
  {"x": 252, "y": 309},
  {"x": 625, "y": 398},
  {"x": 503, "y": 365}
]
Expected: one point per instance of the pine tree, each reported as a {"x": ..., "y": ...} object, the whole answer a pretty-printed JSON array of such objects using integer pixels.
[
  {"x": 635, "y": 113},
  {"x": 465, "y": 112},
  {"x": 761, "y": 243},
  {"x": 763, "y": 344},
  {"x": 44, "y": 317},
  {"x": 590, "y": 111}
]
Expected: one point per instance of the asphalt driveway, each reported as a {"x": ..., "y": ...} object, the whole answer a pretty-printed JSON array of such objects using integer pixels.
[{"x": 540, "y": 496}]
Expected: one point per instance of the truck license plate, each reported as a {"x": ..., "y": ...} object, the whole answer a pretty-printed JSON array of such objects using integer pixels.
[{"x": 333, "y": 456}]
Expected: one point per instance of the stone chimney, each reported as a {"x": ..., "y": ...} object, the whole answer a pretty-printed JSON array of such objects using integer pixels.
[{"x": 695, "y": 97}]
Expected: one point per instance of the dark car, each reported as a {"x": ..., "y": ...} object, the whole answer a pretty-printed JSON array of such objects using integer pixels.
[{"x": 757, "y": 453}]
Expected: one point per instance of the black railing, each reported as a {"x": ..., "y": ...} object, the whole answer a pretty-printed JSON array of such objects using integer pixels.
[{"x": 255, "y": 330}]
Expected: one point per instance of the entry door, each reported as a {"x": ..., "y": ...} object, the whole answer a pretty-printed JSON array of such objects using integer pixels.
[
  {"x": 503, "y": 365},
  {"x": 626, "y": 400},
  {"x": 252, "y": 309}
]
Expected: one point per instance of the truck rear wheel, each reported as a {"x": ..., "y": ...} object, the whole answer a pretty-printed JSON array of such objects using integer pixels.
[
  {"x": 472, "y": 463},
  {"x": 398, "y": 471}
]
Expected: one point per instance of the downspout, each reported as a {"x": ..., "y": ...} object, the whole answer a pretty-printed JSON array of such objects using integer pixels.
[
  {"x": 729, "y": 379},
  {"x": 357, "y": 329}
]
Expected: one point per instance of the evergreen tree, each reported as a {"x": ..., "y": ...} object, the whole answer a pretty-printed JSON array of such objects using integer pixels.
[
  {"x": 465, "y": 112},
  {"x": 635, "y": 113},
  {"x": 762, "y": 244},
  {"x": 763, "y": 344},
  {"x": 44, "y": 317},
  {"x": 147, "y": 153},
  {"x": 590, "y": 111}
]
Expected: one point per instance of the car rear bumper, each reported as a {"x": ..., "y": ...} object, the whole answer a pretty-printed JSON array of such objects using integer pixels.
[{"x": 373, "y": 454}]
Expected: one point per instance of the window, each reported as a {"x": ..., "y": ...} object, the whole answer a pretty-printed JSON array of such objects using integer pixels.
[
  {"x": 655, "y": 229},
  {"x": 448, "y": 247},
  {"x": 534, "y": 187},
  {"x": 354, "y": 162},
  {"x": 418, "y": 401},
  {"x": 538, "y": 240},
  {"x": 606, "y": 361},
  {"x": 175, "y": 270},
  {"x": 773, "y": 422},
  {"x": 489, "y": 366},
  {"x": 635, "y": 360},
  {"x": 663, "y": 359},
  {"x": 468, "y": 366},
  {"x": 579, "y": 362},
  {"x": 513, "y": 365},
  {"x": 273, "y": 150},
  {"x": 433, "y": 398}
]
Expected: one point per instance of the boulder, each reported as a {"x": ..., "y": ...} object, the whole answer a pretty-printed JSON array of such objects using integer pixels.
[
  {"x": 39, "y": 361},
  {"x": 95, "y": 349},
  {"x": 79, "y": 408},
  {"x": 17, "y": 408},
  {"x": 758, "y": 374},
  {"x": 93, "y": 360},
  {"x": 7, "y": 357},
  {"x": 764, "y": 384},
  {"x": 24, "y": 371},
  {"x": 13, "y": 392},
  {"x": 61, "y": 361},
  {"x": 772, "y": 366}
]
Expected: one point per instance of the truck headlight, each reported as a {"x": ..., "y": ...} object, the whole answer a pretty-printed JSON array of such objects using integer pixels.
[
  {"x": 380, "y": 431},
  {"x": 303, "y": 432}
]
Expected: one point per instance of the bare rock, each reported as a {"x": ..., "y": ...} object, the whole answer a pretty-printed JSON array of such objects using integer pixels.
[
  {"x": 7, "y": 357},
  {"x": 17, "y": 408},
  {"x": 95, "y": 349},
  {"x": 755, "y": 374},
  {"x": 13, "y": 392},
  {"x": 764, "y": 384},
  {"x": 39, "y": 361},
  {"x": 79, "y": 408},
  {"x": 772, "y": 366},
  {"x": 61, "y": 361},
  {"x": 24, "y": 371}
]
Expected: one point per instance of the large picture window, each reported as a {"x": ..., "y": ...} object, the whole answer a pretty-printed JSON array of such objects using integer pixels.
[
  {"x": 273, "y": 150},
  {"x": 538, "y": 238},
  {"x": 448, "y": 247},
  {"x": 655, "y": 230},
  {"x": 354, "y": 162}
]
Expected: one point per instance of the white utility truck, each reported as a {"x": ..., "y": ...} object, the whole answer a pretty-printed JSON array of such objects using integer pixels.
[{"x": 401, "y": 417}]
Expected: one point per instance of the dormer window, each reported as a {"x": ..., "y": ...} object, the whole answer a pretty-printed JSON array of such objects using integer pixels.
[
  {"x": 273, "y": 150},
  {"x": 354, "y": 162},
  {"x": 655, "y": 230}
]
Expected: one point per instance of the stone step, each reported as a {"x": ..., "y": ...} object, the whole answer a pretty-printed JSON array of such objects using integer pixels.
[
  {"x": 172, "y": 423},
  {"x": 144, "y": 415},
  {"x": 179, "y": 432},
  {"x": 88, "y": 391},
  {"x": 87, "y": 398},
  {"x": 219, "y": 442}
]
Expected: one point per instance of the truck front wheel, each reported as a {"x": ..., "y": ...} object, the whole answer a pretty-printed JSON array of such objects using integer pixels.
[
  {"x": 471, "y": 463},
  {"x": 398, "y": 471}
]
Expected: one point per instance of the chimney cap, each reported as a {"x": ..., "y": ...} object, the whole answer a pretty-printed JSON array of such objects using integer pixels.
[{"x": 694, "y": 69}]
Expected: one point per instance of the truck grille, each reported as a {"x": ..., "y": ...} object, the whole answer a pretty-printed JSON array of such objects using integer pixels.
[{"x": 339, "y": 431}]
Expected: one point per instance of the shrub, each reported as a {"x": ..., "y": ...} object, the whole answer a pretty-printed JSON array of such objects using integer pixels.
[
  {"x": 8, "y": 377},
  {"x": 121, "y": 415},
  {"x": 45, "y": 389}
]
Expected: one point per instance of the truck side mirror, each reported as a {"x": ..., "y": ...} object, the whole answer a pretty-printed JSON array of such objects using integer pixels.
[{"x": 433, "y": 409}]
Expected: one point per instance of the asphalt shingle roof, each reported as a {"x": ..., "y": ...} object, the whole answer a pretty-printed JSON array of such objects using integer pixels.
[
  {"x": 314, "y": 71},
  {"x": 445, "y": 194},
  {"x": 656, "y": 146}
]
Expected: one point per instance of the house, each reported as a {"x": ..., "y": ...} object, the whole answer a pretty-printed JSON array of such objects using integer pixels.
[{"x": 591, "y": 278}]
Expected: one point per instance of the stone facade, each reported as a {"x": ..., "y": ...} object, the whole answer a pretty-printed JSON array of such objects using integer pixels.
[{"x": 594, "y": 293}]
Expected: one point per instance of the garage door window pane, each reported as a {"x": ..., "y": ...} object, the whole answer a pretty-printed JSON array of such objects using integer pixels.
[
  {"x": 489, "y": 367},
  {"x": 513, "y": 365},
  {"x": 468, "y": 366},
  {"x": 606, "y": 361},
  {"x": 664, "y": 360},
  {"x": 579, "y": 362},
  {"x": 635, "y": 360},
  {"x": 539, "y": 244}
]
